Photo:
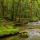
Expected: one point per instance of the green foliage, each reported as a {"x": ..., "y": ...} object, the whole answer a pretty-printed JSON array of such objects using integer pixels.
[
  {"x": 34, "y": 18},
  {"x": 14, "y": 9}
]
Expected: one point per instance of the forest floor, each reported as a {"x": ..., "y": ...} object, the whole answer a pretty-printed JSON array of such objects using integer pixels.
[{"x": 8, "y": 27}]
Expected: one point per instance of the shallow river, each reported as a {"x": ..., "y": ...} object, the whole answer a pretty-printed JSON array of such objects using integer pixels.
[{"x": 33, "y": 34}]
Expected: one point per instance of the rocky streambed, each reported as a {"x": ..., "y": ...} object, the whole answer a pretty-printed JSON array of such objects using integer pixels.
[{"x": 33, "y": 32}]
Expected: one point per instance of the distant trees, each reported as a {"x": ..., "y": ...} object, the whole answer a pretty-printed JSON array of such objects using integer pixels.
[
  {"x": 35, "y": 10},
  {"x": 18, "y": 10}
]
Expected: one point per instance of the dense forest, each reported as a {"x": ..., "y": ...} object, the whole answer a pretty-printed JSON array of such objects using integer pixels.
[
  {"x": 20, "y": 11},
  {"x": 19, "y": 18}
]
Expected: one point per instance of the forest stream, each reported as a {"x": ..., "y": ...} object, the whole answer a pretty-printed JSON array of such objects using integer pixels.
[{"x": 32, "y": 32}]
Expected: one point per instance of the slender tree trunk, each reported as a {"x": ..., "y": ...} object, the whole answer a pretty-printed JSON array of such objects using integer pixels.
[
  {"x": 30, "y": 8},
  {"x": 12, "y": 14},
  {"x": 37, "y": 9},
  {"x": 2, "y": 1},
  {"x": 20, "y": 10}
]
